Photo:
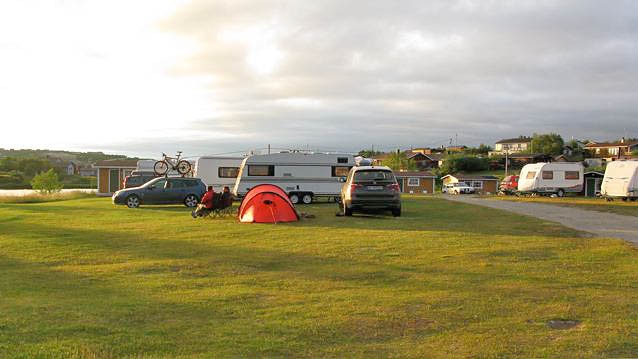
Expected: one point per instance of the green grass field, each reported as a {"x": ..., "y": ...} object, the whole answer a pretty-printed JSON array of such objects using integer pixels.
[
  {"x": 588, "y": 203},
  {"x": 83, "y": 278}
]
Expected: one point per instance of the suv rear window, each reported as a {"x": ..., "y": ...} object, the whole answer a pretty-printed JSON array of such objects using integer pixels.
[{"x": 373, "y": 175}]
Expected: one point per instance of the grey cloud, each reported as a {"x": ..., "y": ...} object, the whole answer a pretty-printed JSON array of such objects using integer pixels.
[{"x": 482, "y": 69}]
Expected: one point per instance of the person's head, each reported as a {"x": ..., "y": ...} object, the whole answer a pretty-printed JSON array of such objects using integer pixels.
[
  {"x": 226, "y": 189},
  {"x": 210, "y": 188}
]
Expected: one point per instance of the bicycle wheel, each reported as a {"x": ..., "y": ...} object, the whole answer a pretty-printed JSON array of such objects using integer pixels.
[
  {"x": 183, "y": 167},
  {"x": 160, "y": 168}
]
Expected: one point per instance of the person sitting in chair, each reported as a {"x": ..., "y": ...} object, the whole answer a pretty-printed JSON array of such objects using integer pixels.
[
  {"x": 206, "y": 204},
  {"x": 226, "y": 198}
]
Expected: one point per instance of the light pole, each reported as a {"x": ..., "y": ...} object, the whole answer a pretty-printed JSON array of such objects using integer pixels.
[{"x": 506, "y": 161}]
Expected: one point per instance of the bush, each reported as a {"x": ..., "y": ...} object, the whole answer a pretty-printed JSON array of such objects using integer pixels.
[
  {"x": 46, "y": 182},
  {"x": 464, "y": 163},
  {"x": 12, "y": 180},
  {"x": 75, "y": 181}
]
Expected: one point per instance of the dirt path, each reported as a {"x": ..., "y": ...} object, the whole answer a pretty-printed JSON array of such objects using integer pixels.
[{"x": 598, "y": 223}]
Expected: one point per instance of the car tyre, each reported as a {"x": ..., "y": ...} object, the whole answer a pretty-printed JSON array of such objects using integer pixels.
[
  {"x": 191, "y": 201},
  {"x": 396, "y": 212},
  {"x": 306, "y": 198},
  {"x": 294, "y": 198},
  {"x": 560, "y": 193},
  {"x": 132, "y": 201}
]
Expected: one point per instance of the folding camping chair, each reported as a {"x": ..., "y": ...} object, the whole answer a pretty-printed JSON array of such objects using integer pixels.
[{"x": 222, "y": 205}]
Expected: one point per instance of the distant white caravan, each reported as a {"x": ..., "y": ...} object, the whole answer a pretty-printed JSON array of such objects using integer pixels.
[
  {"x": 551, "y": 178},
  {"x": 621, "y": 180}
]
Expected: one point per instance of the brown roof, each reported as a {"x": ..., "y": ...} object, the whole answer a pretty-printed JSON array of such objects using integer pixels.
[
  {"x": 464, "y": 177},
  {"x": 521, "y": 139},
  {"x": 435, "y": 156},
  {"x": 611, "y": 144},
  {"x": 413, "y": 174},
  {"x": 116, "y": 163}
]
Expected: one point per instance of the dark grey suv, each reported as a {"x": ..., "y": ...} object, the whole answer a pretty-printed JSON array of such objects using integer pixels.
[
  {"x": 162, "y": 191},
  {"x": 371, "y": 188}
]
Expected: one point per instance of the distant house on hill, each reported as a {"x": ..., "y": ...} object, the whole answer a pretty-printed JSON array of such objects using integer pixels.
[
  {"x": 455, "y": 149},
  {"x": 611, "y": 151},
  {"x": 72, "y": 169},
  {"x": 87, "y": 171},
  {"x": 511, "y": 145},
  {"x": 423, "y": 161}
]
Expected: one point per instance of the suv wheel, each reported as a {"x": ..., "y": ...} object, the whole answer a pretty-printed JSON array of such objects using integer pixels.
[
  {"x": 191, "y": 201},
  {"x": 132, "y": 201}
]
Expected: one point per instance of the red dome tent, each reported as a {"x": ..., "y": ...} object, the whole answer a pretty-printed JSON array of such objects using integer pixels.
[{"x": 267, "y": 203}]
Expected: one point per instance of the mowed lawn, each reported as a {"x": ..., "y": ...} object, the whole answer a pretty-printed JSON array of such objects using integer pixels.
[
  {"x": 593, "y": 204},
  {"x": 83, "y": 278}
]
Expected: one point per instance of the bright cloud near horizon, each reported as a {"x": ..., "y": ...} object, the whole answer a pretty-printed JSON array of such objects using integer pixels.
[{"x": 142, "y": 77}]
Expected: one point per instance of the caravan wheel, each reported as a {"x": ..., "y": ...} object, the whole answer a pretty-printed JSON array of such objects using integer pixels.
[
  {"x": 307, "y": 198},
  {"x": 294, "y": 198},
  {"x": 560, "y": 193}
]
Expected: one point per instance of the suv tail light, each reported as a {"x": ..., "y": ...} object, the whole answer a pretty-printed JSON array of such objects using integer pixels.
[
  {"x": 394, "y": 187},
  {"x": 354, "y": 187}
]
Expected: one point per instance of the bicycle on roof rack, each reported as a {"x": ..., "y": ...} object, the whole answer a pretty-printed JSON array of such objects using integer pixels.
[{"x": 167, "y": 163}]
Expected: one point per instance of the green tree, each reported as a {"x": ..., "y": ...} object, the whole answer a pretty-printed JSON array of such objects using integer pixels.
[
  {"x": 635, "y": 152},
  {"x": 369, "y": 153},
  {"x": 46, "y": 182},
  {"x": 399, "y": 161},
  {"x": 482, "y": 149},
  {"x": 463, "y": 163},
  {"x": 549, "y": 144}
]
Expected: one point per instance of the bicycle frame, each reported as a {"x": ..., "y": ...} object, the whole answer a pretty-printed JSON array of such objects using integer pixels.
[{"x": 172, "y": 161}]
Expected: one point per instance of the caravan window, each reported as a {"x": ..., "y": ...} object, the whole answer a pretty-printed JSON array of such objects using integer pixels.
[
  {"x": 261, "y": 170},
  {"x": 340, "y": 171},
  {"x": 342, "y": 159},
  {"x": 572, "y": 175},
  {"x": 227, "y": 172},
  {"x": 530, "y": 175},
  {"x": 548, "y": 175}
]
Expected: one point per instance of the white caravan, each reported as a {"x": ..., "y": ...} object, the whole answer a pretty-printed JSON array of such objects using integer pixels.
[
  {"x": 551, "y": 178},
  {"x": 218, "y": 171},
  {"x": 621, "y": 180},
  {"x": 304, "y": 176}
]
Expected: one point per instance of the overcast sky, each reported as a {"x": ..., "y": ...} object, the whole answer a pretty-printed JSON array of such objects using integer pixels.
[{"x": 207, "y": 77}]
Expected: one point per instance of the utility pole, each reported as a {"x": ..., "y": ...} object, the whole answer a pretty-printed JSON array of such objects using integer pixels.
[{"x": 506, "y": 161}]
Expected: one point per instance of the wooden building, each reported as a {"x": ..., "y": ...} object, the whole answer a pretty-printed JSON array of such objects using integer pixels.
[
  {"x": 415, "y": 181},
  {"x": 111, "y": 174},
  {"x": 482, "y": 184}
]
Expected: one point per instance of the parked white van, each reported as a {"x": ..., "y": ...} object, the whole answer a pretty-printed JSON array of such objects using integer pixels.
[
  {"x": 303, "y": 175},
  {"x": 551, "y": 178},
  {"x": 621, "y": 180},
  {"x": 218, "y": 171}
]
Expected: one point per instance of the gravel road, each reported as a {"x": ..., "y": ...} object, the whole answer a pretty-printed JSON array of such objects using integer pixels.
[{"x": 598, "y": 223}]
